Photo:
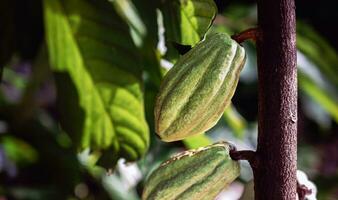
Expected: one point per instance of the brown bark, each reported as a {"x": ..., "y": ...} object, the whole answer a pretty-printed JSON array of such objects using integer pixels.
[{"x": 275, "y": 175}]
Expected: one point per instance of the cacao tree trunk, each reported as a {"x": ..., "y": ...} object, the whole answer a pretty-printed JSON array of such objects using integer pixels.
[{"x": 275, "y": 173}]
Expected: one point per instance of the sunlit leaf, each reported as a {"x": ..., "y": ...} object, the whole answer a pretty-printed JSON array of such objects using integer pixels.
[
  {"x": 186, "y": 21},
  {"x": 98, "y": 78}
]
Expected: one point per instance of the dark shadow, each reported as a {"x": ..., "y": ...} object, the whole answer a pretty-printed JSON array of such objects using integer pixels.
[{"x": 70, "y": 113}]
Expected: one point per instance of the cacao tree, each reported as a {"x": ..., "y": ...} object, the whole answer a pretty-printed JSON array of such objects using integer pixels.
[{"x": 170, "y": 99}]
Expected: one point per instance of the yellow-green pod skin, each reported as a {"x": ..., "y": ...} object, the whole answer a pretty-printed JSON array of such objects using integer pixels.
[
  {"x": 195, "y": 92},
  {"x": 199, "y": 174}
]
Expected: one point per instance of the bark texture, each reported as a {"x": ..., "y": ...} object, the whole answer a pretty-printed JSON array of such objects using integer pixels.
[{"x": 275, "y": 173}]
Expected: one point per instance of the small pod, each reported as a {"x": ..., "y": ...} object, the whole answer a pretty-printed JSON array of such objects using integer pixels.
[
  {"x": 199, "y": 174},
  {"x": 195, "y": 92}
]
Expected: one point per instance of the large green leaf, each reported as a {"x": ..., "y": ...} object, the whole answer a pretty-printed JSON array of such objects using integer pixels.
[
  {"x": 186, "y": 21},
  {"x": 98, "y": 78}
]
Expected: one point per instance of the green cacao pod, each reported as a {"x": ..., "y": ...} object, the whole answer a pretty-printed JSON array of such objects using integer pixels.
[
  {"x": 195, "y": 92},
  {"x": 196, "y": 174}
]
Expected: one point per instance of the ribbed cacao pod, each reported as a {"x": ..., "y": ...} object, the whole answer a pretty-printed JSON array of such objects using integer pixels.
[
  {"x": 195, "y": 92},
  {"x": 199, "y": 174}
]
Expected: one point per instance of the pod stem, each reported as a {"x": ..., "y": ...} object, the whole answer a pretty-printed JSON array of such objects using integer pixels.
[
  {"x": 248, "y": 155},
  {"x": 249, "y": 34}
]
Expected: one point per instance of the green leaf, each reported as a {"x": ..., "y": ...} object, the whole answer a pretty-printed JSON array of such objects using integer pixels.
[
  {"x": 318, "y": 94},
  {"x": 142, "y": 22},
  {"x": 235, "y": 121},
  {"x": 197, "y": 141},
  {"x": 186, "y": 21},
  {"x": 18, "y": 150},
  {"x": 237, "y": 17},
  {"x": 148, "y": 12},
  {"x": 318, "y": 50},
  {"x": 127, "y": 11},
  {"x": 98, "y": 78}
]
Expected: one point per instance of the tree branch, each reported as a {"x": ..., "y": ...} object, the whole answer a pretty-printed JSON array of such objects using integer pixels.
[{"x": 275, "y": 178}]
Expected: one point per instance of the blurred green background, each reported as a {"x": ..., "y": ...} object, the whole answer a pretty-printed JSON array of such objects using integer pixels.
[{"x": 79, "y": 78}]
